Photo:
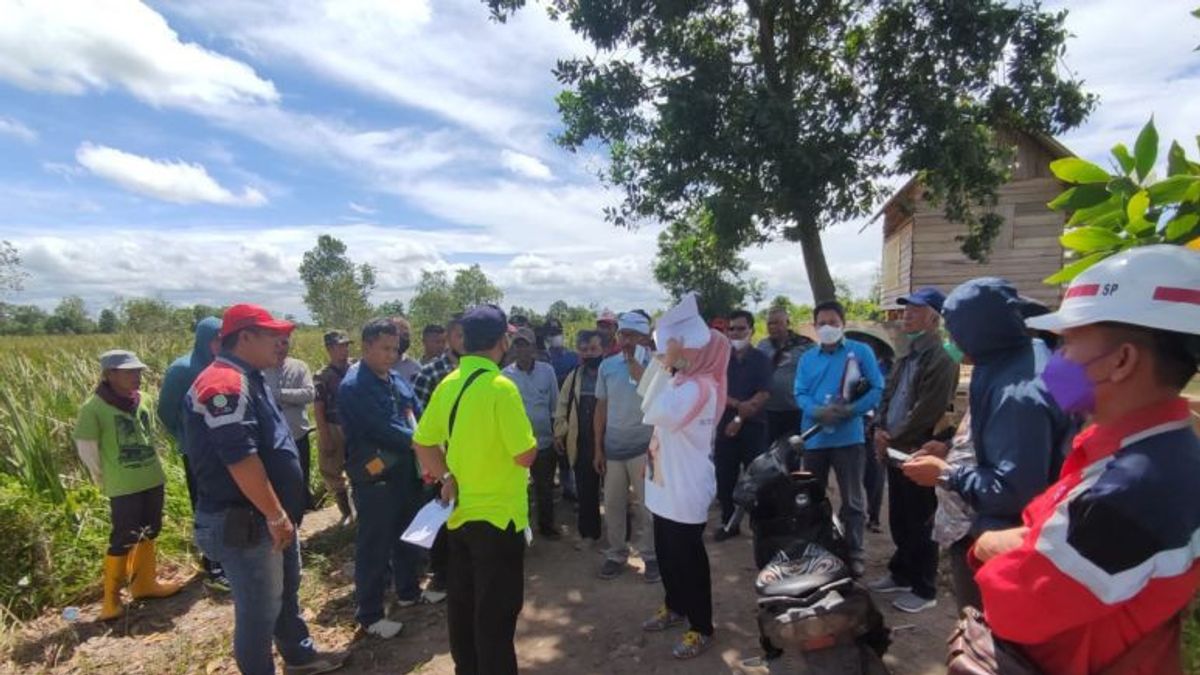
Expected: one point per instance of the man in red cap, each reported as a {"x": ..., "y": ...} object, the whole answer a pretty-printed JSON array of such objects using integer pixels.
[{"x": 250, "y": 494}]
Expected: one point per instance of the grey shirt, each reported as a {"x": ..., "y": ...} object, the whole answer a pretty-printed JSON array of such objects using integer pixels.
[
  {"x": 292, "y": 386},
  {"x": 407, "y": 368},
  {"x": 783, "y": 375},
  {"x": 625, "y": 435},
  {"x": 539, "y": 392}
]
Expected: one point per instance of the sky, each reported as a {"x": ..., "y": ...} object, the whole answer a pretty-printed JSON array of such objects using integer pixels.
[{"x": 194, "y": 151}]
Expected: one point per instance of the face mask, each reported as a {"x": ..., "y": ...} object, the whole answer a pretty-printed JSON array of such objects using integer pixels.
[
  {"x": 739, "y": 345},
  {"x": 405, "y": 343},
  {"x": 1069, "y": 384},
  {"x": 556, "y": 341},
  {"x": 593, "y": 361},
  {"x": 953, "y": 351},
  {"x": 829, "y": 335}
]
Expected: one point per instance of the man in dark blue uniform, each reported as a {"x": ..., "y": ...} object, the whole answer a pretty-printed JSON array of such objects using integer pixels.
[{"x": 251, "y": 494}]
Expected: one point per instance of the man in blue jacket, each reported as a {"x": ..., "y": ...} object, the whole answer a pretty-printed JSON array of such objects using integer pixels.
[
  {"x": 378, "y": 410},
  {"x": 835, "y": 387},
  {"x": 179, "y": 377},
  {"x": 1020, "y": 435}
]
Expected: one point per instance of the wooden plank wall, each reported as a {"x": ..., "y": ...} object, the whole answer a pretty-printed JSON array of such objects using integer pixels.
[{"x": 900, "y": 245}]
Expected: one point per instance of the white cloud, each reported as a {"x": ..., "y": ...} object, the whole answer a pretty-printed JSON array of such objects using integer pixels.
[
  {"x": 170, "y": 181},
  {"x": 72, "y": 47},
  {"x": 17, "y": 130},
  {"x": 525, "y": 165},
  {"x": 364, "y": 210}
]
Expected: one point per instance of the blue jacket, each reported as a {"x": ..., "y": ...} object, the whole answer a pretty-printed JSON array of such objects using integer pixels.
[
  {"x": 1020, "y": 435},
  {"x": 377, "y": 413},
  {"x": 181, "y": 374},
  {"x": 819, "y": 382}
]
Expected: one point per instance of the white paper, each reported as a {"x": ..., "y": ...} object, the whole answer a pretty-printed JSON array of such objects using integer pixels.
[
  {"x": 898, "y": 456},
  {"x": 425, "y": 525}
]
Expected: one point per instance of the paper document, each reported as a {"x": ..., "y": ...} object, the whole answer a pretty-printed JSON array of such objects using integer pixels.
[{"x": 424, "y": 527}]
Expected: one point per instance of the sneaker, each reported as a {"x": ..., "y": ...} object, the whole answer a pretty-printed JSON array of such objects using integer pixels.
[
  {"x": 217, "y": 581},
  {"x": 722, "y": 535},
  {"x": 913, "y": 603},
  {"x": 323, "y": 663},
  {"x": 652, "y": 574},
  {"x": 888, "y": 585},
  {"x": 611, "y": 569},
  {"x": 384, "y": 628},
  {"x": 411, "y": 602},
  {"x": 662, "y": 620},
  {"x": 432, "y": 597},
  {"x": 692, "y": 645}
]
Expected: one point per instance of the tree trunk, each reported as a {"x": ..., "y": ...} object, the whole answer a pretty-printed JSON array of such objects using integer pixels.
[{"x": 815, "y": 265}]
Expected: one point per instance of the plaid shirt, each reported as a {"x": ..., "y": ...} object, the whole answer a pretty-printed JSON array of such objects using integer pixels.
[{"x": 430, "y": 375}]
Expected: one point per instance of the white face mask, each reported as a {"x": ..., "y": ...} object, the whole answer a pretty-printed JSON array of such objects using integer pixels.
[
  {"x": 739, "y": 345},
  {"x": 829, "y": 335},
  {"x": 556, "y": 341}
]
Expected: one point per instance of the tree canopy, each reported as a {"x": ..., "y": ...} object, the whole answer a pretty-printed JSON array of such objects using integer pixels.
[
  {"x": 693, "y": 256},
  {"x": 436, "y": 298},
  {"x": 336, "y": 291},
  {"x": 784, "y": 116}
]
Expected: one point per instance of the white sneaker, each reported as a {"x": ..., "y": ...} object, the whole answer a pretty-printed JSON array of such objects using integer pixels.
[
  {"x": 385, "y": 628},
  {"x": 432, "y": 597},
  {"x": 913, "y": 603}
]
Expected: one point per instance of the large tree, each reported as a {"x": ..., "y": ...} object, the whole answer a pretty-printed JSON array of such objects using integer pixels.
[
  {"x": 436, "y": 297},
  {"x": 70, "y": 317},
  {"x": 786, "y": 116},
  {"x": 694, "y": 256},
  {"x": 473, "y": 287},
  {"x": 12, "y": 276},
  {"x": 337, "y": 291}
]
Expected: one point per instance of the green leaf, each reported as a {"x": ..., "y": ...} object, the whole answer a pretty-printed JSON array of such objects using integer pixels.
[
  {"x": 1079, "y": 171},
  {"x": 1171, "y": 190},
  {"x": 1089, "y": 239},
  {"x": 1123, "y": 158},
  {"x": 1087, "y": 216},
  {"x": 1080, "y": 197},
  {"x": 1181, "y": 226},
  {"x": 1177, "y": 163},
  {"x": 1122, "y": 186},
  {"x": 1145, "y": 150},
  {"x": 1074, "y": 269},
  {"x": 1136, "y": 208}
]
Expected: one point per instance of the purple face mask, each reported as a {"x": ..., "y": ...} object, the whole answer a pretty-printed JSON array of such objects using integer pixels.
[{"x": 1069, "y": 384}]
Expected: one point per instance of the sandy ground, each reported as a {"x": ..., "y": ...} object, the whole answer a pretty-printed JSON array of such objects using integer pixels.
[{"x": 572, "y": 623}]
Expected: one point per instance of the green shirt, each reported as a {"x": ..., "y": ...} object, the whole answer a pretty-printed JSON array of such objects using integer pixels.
[
  {"x": 490, "y": 430},
  {"x": 128, "y": 463}
]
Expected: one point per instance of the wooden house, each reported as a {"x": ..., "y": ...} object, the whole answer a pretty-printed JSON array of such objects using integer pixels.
[{"x": 920, "y": 247}]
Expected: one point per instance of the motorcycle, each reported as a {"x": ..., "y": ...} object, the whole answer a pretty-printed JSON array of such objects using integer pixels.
[{"x": 809, "y": 604}]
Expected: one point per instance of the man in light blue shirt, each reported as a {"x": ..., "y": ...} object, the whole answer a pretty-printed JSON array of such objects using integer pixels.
[
  {"x": 539, "y": 392},
  {"x": 621, "y": 443},
  {"x": 836, "y": 385}
]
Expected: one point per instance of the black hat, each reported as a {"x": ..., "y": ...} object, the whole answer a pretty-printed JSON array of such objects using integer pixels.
[
  {"x": 484, "y": 324},
  {"x": 337, "y": 337}
]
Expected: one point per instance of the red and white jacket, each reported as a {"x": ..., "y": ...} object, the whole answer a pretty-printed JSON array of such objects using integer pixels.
[{"x": 1112, "y": 548}]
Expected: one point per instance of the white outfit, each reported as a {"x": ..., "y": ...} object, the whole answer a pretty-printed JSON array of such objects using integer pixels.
[{"x": 681, "y": 480}]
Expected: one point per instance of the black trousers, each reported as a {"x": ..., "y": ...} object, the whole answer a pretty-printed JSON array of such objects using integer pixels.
[
  {"x": 305, "y": 449},
  {"x": 874, "y": 478},
  {"x": 587, "y": 489},
  {"x": 966, "y": 591},
  {"x": 135, "y": 517},
  {"x": 732, "y": 455},
  {"x": 210, "y": 566},
  {"x": 683, "y": 564},
  {"x": 542, "y": 471},
  {"x": 782, "y": 423},
  {"x": 486, "y": 587},
  {"x": 910, "y": 516}
]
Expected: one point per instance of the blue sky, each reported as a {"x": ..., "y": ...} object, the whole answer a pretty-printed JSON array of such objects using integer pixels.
[{"x": 194, "y": 151}]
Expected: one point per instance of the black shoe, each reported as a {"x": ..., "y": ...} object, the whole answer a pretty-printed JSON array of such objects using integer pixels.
[{"x": 722, "y": 534}]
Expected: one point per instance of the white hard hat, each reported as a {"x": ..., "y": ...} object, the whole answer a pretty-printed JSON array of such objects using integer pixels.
[{"x": 1152, "y": 286}]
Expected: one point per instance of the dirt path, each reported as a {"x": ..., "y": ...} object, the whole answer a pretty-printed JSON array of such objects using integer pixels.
[{"x": 572, "y": 622}]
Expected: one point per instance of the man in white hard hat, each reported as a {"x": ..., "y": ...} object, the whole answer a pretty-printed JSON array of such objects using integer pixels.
[{"x": 1106, "y": 559}]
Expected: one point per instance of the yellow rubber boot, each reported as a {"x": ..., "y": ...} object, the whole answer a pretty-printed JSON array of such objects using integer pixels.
[
  {"x": 143, "y": 578},
  {"x": 114, "y": 578}
]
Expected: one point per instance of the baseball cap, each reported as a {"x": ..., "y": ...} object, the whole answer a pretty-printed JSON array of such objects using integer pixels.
[
  {"x": 337, "y": 337},
  {"x": 525, "y": 334},
  {"x": 924, "y": 297},
  {"x": 243, "y": 316},
  {"x": 484, "y": 324},
  {"x": 120, "y": 359}
]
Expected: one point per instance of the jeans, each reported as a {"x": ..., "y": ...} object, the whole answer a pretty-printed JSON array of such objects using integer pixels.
[
  {"x": 910, "y": 518},
  {"x": 621, "y": 475},
  {"x": 135, "y": 517},
  {"x": 385, "y": 508},
  {"x": 265, "y": 604},
  {"x": 566, "y": 477},
  {"x": 211, "y": 566},
  {"x": 874, "y": 478},
  {"x": 683, "y": 563},
  {"x": 542, "y": 472},
  {"x": 847, "y": 464},
  {"x": 486, "y": 590},
  {"x": 731, "y": 455}
]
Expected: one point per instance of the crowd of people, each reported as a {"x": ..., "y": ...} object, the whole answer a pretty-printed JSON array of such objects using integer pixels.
[{"x": 1065, "y": 493}]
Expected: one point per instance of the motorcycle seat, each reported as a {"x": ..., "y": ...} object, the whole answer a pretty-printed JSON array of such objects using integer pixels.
[{"x": 797, "y": 577}]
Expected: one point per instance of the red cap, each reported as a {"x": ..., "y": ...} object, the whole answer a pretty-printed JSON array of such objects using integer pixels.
[{"x": 251, "y": 316}]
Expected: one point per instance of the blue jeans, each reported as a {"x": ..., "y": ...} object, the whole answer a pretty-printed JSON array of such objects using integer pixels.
[
  {"x": 265, "y": 603},
  {"x": 848, "y": 464},
  {"x": 385, "y": 508}
]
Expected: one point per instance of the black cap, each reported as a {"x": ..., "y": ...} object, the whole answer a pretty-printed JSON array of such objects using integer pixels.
[
  {"x": 484, "y": 324},
  {"x": 337, "y": 337}
]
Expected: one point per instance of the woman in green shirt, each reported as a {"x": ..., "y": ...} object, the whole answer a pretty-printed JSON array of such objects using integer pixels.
[{"x": 115, "y": 439}]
